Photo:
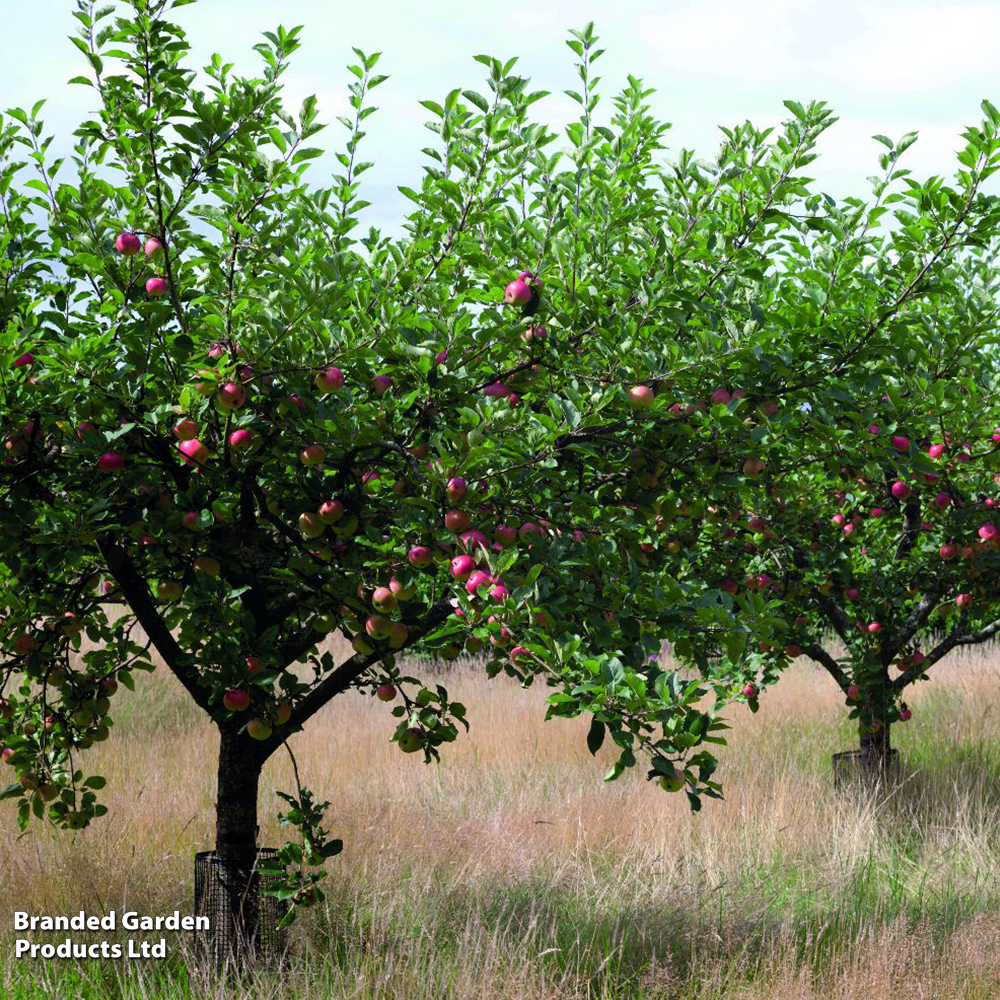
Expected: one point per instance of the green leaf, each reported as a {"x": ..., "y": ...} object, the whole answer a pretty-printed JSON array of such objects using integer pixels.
[{"x": 595, "y": 736}]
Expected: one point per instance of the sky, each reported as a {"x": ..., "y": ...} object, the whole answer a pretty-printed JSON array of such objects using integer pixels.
[{"x": 884, "y": 66}]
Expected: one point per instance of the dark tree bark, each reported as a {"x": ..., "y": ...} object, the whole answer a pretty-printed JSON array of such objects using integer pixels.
[
  {"x": 242, "y": 921},
  {"x": 240, "y": 765}
]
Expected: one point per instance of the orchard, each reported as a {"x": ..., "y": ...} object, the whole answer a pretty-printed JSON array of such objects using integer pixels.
[{"x": 236, "y": 423}]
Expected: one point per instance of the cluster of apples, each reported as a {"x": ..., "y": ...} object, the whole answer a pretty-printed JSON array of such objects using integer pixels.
[
  {"x": 129, "y": 245},
  {"x": 261, "y": 727}
]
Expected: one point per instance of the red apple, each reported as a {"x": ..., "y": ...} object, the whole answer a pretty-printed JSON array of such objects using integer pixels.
[
  {"x": 232, "y": 396},
  {"x": 329, "y": 380},
  {"x": 156, "y": 287},
  {"x": 420, "y": 556},
  {"x": 236, "y": 701},
  {"x": 476, "y": 580},
  {"x": 194, "y": 452},
  {"x": 457, "y": 521},
  {"x": 331, "y": 511},
  {"x": 313, "y": 454},
  {"x": 385, "y": 692},
  {"x": 517, "y": 293},
  {"x": 128, "y": 244},
  {"x": 640, "y": 397},
  {"x": 378, "y": 627},
  {"x": 111, "y": 461},
  {"x": 462, "y": 567},
  {"x": 185, "y": 429},
  {"x": 241, "y": 439},
  {"x": 383, "y": 599}
]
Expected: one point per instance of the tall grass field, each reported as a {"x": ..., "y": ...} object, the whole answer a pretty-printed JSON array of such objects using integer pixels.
[{"x": 510, "y": 871}]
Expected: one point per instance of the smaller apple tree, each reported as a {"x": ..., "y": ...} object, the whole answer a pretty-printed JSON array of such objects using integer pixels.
[{"x": 889, "y": 546}]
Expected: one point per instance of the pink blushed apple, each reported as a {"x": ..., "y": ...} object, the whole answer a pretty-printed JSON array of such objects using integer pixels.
[
  {"x": 312, "y": 455},
  {"x": 456, "y": 489},
  {"x": 457, "y": 521},
  {"x": 378, "y": 627},
  {"x": 398, "y": 634},
  {"x": 462, "y": 567},
  {"x": 900, "y": 490},
  {"x": 477, "y": 578},
  {"x": 153, "y": 247},
  {"x": 194, "y": 452},
  {"x": 156, "y": 286},
  {"x": 236, "y": 701},
  {"x": 186, "y": 429},
  {"x": 310, "y": 525},
  {"x": 419, "y": 557},
  {"x": 231, "y": 396},
  {"x": 385, "y": 692},
  {"x": 128, "y": 244},
  {"x": 381, "y": 384},
  {"x": 329, "y": 380},
  {"x": 383, "y": 599},
  {"x": 641, "y": 397},
  {"x": 258, "y": 729},
  {"x": 331, "y": 511},
  {"x": 517, "y": 293},
  {"x": 241, "y": 439}
]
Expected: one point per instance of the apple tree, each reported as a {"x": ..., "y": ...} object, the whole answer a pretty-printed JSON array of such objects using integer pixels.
[
  {"x": 236, "y": 423},
  {"x": 887, "y": 543}
]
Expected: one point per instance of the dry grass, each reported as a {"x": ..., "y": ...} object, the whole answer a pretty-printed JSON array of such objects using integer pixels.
[{"x": 510, "y": 871}]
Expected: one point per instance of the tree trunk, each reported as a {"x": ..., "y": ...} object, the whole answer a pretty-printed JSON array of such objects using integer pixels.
[
  {"x": 227, "y": 881},
  {"x": 240, "y": 765},
  {"x": 877, "y": 759},
  {"x": 876, "y": 751}
]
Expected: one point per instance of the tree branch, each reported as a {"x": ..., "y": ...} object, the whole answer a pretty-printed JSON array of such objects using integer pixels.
[{"x": 140, "y": 600}]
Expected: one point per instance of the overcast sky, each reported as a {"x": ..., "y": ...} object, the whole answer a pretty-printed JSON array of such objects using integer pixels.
[{"x": 887, "y": 66}]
